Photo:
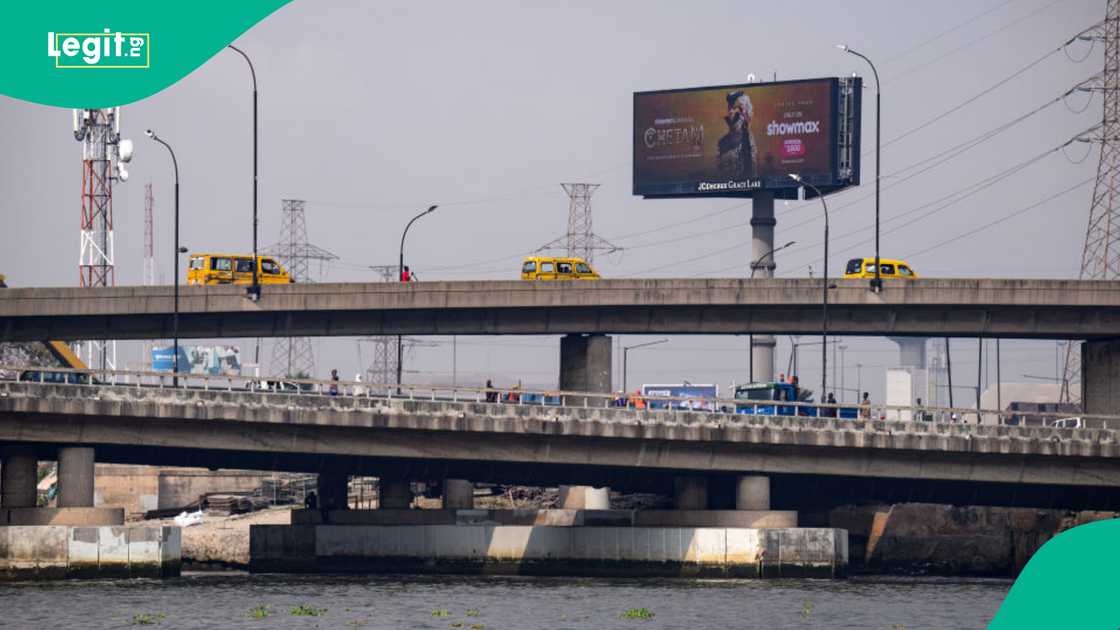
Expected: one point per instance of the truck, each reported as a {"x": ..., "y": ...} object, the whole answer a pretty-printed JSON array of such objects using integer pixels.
[
  {"x": 698, "y": 397},
  {"x": 769, "y": 397}
]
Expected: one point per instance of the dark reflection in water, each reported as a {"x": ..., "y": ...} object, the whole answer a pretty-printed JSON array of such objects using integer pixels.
[{"x": 208, "y": 600}]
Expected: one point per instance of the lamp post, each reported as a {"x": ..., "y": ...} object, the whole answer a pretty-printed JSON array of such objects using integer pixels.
[
  {"x": 877, "y": 283},
  {"x": 178, "y": 250},
  {"x": 755, "y": 266},
  {"x": 254, "y": 291},
  {"x": 625, "y": 358},
  {"x": 400, "y": 272},
  {"x": 824, "y": 285}
]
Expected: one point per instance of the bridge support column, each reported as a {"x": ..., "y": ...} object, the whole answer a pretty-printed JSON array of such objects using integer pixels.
[
  {"x": 752, "y": 492},
  {"x": 458, "y": 494},
  {"x": 75, "y": 476},
  {"x": 762, "y": 266},
  {"x": 394, "y": 494},
  {"x": 690, "y": 492},
  {"x": 585, "y": 498},
  {"x": 585, "y": 366},
  {"x": 1100, "y": 377},
  {"x": 18, "y": 477},
  {"x": 334, "y": 491}
]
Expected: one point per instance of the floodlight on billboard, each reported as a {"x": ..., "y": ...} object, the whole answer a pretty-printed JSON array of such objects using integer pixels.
[{"x": 735, "y": 140}]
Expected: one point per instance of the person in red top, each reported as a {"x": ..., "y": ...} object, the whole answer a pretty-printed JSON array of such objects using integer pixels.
[{"x": 407, "y": 276}]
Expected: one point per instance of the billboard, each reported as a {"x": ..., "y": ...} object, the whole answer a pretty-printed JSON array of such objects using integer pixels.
[
  {"x": 703, "y": 396},
  {"x": 734, "y": 140},
  {"x": 213, "y": 360}
]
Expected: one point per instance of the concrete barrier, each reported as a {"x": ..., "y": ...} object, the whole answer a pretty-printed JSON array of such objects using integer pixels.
[
  {"x": 552, "y": 518},
  {"x": 52, "y": 552},
  {"x": 73, "y": 516},
  {"x": 517, "y": 549}
]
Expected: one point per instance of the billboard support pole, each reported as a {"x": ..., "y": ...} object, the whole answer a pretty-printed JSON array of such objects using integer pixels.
[{"x": 762, "y": 244}]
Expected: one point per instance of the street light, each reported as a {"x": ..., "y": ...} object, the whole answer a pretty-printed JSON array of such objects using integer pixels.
[
  {"x": 255, "y": 290},
  {"x": 400, "y": 273},
  {"x": 877, "y": 283},
  {"x": 824, "y": 285},
  {"x": 175, "y": 317},
  {"x": 755, "y": 266},
  {"x": 625, "y": 358}
]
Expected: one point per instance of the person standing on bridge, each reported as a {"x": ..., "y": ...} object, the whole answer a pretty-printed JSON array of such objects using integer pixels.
[
  {"x": 407, "y": 275},
  {"x": 334, "y": 383},
  {"x": 865, "y": 406}
]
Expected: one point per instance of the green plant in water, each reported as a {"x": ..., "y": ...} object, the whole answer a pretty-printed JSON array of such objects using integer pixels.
[
  {"x": 456, "y": 624},
  {"x": 260, "y": 612},
  {"x": 439, "y": 612},
  {"x": 473, "y": 612},
  {"x": 637, "y": 613},
  {"x": 304, "y": 610},
  {"x": 147, "y": 619},
  {"x": 807, "y": 609},
  {"x": 477, "y": 626}
]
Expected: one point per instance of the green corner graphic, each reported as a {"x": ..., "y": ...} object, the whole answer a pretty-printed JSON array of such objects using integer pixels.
[
  {"x": 102, "y": 54},
  {"x": 1073, "y": 581}
]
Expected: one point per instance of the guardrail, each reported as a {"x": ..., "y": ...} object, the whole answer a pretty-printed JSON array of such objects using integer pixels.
[{"x": 277, "y": 386}]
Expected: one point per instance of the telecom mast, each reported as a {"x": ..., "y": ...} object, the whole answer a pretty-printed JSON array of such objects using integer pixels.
[
  {"x": 1100, "y": 258},
  {"x": 104, "y": 155},
  {"x": 293, "y": 356},
  {"x": 149, "y": 237},
  {"x": 580, "y": 241}
]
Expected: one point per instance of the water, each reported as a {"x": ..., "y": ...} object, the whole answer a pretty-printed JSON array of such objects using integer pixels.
[{"x": 224, "y": 601}]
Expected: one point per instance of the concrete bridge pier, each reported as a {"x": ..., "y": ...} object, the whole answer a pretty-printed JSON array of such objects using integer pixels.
[
  {"x": 75, "y": 477},
  {"x": 333, "y": 490},
  {"x": 394, "y": 494},
  {"x": 585, "y": 366},
  {"x": 690, "y": 492},
  {"x": 458, "y": 494},
  {"x": 1100, "y": 376},
  {"x": 752, "y": 492},
  {"x": 18, "y": 477}
]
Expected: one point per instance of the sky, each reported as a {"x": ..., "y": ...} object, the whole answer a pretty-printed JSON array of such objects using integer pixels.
[{"x": 372, "y": 112}]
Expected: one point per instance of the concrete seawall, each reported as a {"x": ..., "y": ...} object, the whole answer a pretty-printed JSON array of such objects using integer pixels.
[
  {"x": 544, "y": 550},
  {"x": 52, "y": 552}
]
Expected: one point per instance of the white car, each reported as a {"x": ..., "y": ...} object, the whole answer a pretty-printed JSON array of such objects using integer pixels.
[{"x": 1068, "y": 423}]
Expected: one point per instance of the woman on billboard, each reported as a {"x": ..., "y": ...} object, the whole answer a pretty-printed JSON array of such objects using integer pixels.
[{"x": 738, "y": 152}]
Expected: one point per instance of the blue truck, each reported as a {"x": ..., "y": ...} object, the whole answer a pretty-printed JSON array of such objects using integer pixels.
[{"x": 778, "y": 393}]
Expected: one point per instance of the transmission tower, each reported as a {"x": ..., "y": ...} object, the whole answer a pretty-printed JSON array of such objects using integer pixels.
[
  {"x": 294, "y": 356},
  {"x": 103, "y": 156},
  {"x": 1100, "y": 258},
  {"x": 580, "y": 241},
  {"x": 383, "y": 368}
]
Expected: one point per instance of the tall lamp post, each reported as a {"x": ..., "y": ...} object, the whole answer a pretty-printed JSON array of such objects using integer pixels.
[
  {"x": 625, "y": 357},
  {"x": 400, "y": 273},
  {"x": 755, "y": 266},
  {"x": 255, "y": 290},
  {"x": 178, "y": 250},
  {"x": 824, "y": 285},
  {"x": 877, "y": 283}
]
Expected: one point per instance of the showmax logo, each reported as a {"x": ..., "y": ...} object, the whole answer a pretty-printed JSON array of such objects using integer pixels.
[{"x": 100, "y": 50}]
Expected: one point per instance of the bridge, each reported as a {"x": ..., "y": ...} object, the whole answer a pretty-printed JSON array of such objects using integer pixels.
[
  {"x": 1028, "y": 309},
  {"x": 803, "y": 461}
]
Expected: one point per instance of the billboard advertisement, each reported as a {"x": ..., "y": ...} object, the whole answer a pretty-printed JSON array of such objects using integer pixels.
[
  {"x": 212, "y": 360},
  {"x": 735, "y": 140},
  {"x": 702, "y": 395}
]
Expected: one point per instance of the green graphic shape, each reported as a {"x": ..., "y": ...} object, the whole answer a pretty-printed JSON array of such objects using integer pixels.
[
  {"x": 159, "y": 43},
  {"x": 1073, "y": 581}
]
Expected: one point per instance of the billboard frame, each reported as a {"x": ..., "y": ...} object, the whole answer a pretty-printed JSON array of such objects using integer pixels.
[{"x": 845, "y": 110}]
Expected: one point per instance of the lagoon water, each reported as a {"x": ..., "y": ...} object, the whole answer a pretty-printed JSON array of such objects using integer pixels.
[{"x": 212, "y": 600}]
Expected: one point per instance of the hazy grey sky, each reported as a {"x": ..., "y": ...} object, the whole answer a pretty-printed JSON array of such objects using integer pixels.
[{"x": 372, "y": 111}]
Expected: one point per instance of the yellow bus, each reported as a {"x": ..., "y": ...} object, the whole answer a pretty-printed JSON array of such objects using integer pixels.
[
  {"x": 888, "y": 268},
  {"x": 547, "y": 268},
  {"x": 234, "y": 269}
]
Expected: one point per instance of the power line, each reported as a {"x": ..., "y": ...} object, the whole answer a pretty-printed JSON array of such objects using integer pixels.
[{"x": 968, "y": 21}]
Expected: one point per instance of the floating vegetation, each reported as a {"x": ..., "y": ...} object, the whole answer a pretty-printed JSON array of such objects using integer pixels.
[
  {"x": 807, "y": 609},
  {"x": 477, "y": 626},
  {"x": 439, "y": 612},
  {"x": 456, "y": 624},
  {"x": 637, "y": 613},
  {"x": 304, "y": 610},
  {"x": 260, "y": 612},
  {"x": 147, "y": 619},
  {"x": 473, "y": 612}
]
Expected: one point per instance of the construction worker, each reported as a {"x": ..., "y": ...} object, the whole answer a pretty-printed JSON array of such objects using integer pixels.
[{"x": 636, "y": 400}]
